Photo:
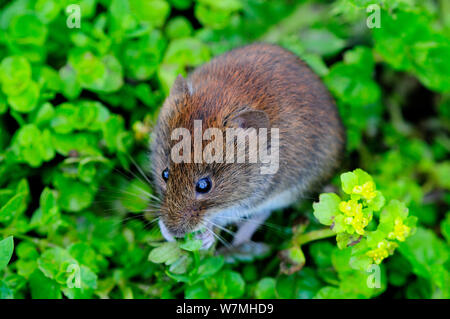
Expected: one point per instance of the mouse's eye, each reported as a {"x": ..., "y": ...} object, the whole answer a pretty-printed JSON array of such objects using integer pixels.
[
  {"x": 165, "y": 174},
  {"x": 203, "y": 185}
]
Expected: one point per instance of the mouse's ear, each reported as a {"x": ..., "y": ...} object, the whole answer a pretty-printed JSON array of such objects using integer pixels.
[
  {"x": 180, "y": 86},
  {"x": 248, "y": 118}
]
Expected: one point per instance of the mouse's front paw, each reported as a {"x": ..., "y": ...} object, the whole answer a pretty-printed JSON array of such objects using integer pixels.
[{"x": 207, "y": 239}]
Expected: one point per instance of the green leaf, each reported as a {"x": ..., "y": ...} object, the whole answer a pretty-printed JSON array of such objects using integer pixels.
[
  {"x": 86, "y": 255},
  {"x": 349, "y": 180},
  {"x": 191, "y": 245},
  {"x": 12, "y": 208},
  {"x": 407, "y": 42},
  {"x": 64, "y": 120},
  {"x": 32, "y": 145},
  {"x": 167, "y": 253},
  {"x": 181, "y": 4},
  {"x": 154, "y": 12},
  {"x": 216, "y": 14},
  {"x": 5, "y": 291},
  {"x": 423, "y": 250},
  {"x": 27, "y": 100},
  {"x": 321, "y": 253},
  {"x": 135, "y": 198},
  {"x": 186, "y": 51},
  {"x": 49, "y": 211},
  {"x": 197, "y": 291},
  {"x": 265, "y": 288},
  {"x": 26, "y": 250},
  {"x": 74, "y": 196},
  {"x": 300, "y": 285},
  {"x": 55, "y": 262},
  {"x": 43, "y": 287},
  {"x": 440, "y": 276},
  {"x": 15, "y": 75},
  {"x": 314, "y": 40},
  {"x": 88, "y": 283},
  {"x": 179, "y": 27},
  {"x": 47, "y": 10},
  {"x": 180, "y": 266},
  {"x": 80, "y": 143},
  {"x": 71, "y": 88},
  {"x": 329, "y": 292},
  {"x": 327, "y": 208},
  {"x": 97, "y": 73},
  {"x": 146, "y": 53},
  {"x": 209, "y": 266},
  {"x": 28, "y": 29},
  {"x": 6, "y": 250},
  {"x": 43, "y": 114},
  {"x": 445, "y": 227},
  {"x": 227, "y": 284}
]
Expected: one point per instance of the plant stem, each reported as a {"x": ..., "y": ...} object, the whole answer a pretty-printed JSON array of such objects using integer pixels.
[
  {"x": 37, "y": 241},
  {"x": 304, "y": 238}
]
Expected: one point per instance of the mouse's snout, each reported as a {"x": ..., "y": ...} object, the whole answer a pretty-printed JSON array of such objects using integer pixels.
[
  {"x": 176, "y": 230},
  {"x": 179, "y": 223},
  {"x": 170, "y": 233}
]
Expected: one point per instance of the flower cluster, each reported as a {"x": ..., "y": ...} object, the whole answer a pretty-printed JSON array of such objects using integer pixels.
[
  {"x": 401, "y": 231},
  {"x": 352, "y": 216},
  {"x": 395, "y": 226},
  {"x": 352, "y": 219},
  {"x": 367, "y": 190},
  {"x": 384, "y": 249}
]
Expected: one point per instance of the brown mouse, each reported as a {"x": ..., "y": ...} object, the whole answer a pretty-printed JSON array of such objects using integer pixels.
[{"x": 259, "y": 86}]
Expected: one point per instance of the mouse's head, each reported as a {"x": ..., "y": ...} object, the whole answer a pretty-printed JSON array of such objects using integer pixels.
[{"x": 197, "y": 189}]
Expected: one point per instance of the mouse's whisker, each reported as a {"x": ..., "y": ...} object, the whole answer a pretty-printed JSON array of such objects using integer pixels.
[
  {"x": 273, "y": 227},
  {"x": 141, "y": 171},
  {"x": 127, "y": 177},
  {"x": 119, "y": 220},
  {"x": 156, "y": 211},
  {"x": 122, "y": 191},
  {"x": 146, "y": 181},
  {"x": 156, "y": 198},
  {"x": 153, "y": 206},
  {"x": 221, "y": 227},
  {"x": 150, "y": 222},
  {"x": 219, "y": 238},
  {"x": 141, "y": 195}
]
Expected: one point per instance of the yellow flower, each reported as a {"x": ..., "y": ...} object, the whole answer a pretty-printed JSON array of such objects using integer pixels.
[
  {"x": 401, "y": 231},
  {"x": 350, "y": 208},
  {"x": 383, "y": 250},
  {"x": 354, "y": 215},
  {"x": 367, "y": 190},
  {"x": 359, "y": 222}
]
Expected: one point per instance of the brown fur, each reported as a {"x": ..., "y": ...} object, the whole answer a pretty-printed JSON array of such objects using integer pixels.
[{"x": 262, "y": 77}]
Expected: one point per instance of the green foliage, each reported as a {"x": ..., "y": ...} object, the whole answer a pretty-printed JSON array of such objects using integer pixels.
[
  {"x": 6, "y": 250},
  {"x": 77, "y": 106}
]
